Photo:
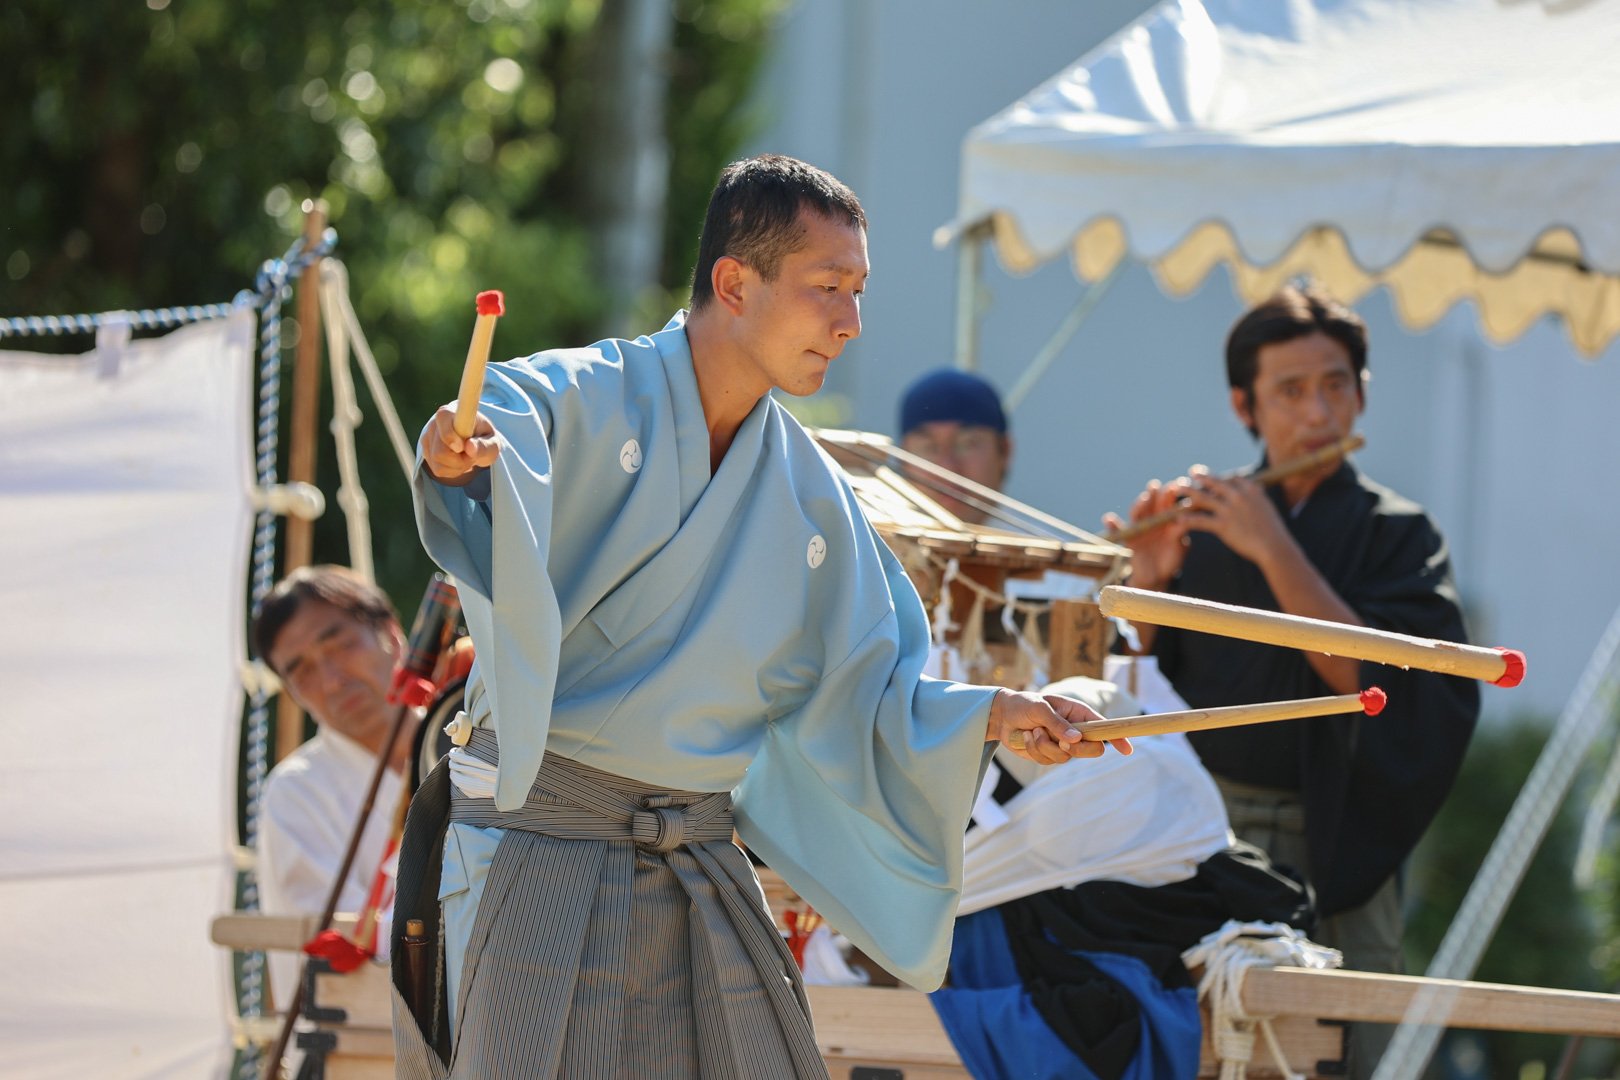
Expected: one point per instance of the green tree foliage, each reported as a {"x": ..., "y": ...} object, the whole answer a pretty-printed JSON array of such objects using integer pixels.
[
  {"x": 155, "y": 154},
  {"x": 1548, "y": 935}
]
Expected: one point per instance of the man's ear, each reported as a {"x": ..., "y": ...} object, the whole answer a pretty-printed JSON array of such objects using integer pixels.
[
  {"x": 729, "y": 279},
  {"x": 393, "y": 641},
  {"x": 1243, "y": 408}
]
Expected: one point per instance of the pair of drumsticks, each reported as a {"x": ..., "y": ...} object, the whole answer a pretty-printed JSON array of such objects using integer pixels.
[{"x": 1504, "y": 667}]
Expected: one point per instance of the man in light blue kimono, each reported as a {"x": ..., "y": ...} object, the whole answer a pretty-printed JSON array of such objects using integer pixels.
[{"x": 683, "y": 625}]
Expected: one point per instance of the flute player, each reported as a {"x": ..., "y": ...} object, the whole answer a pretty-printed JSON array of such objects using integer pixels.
[{"x": 1343, "y": 800}]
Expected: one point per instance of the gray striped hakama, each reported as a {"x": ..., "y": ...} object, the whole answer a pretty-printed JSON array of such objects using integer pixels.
[{"x": 620, "y": 934}]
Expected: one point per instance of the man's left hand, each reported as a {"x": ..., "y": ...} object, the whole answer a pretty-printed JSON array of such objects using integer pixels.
[{"x": 1239, "y": 513}]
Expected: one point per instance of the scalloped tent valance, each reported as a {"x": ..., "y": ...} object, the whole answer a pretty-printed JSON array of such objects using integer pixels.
[{"x": 1444, "y": 149}]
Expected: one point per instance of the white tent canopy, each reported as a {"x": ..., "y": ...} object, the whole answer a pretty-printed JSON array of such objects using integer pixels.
[{"x": 1446, "y": 149}]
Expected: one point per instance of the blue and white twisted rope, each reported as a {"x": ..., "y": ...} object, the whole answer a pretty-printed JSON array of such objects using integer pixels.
[
  {"x": 273, "y": 286},
  {"x": 147, "y": 319}
]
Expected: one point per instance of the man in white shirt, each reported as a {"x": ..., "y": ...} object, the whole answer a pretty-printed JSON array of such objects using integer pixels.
[{"x": 334, "y": 640}]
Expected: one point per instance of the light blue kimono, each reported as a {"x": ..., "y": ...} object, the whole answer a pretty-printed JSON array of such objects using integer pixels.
[{"x": 748, "y": 632}]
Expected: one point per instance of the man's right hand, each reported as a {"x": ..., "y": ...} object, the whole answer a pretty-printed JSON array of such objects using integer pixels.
[
  {"x": 1156, "y": 555},
  {"x": 449, "y": 458}
]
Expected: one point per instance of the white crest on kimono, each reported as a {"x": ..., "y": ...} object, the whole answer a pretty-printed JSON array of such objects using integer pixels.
[
  {"x": 630, "y": 456},
  {"x": 817, "y": 552}
]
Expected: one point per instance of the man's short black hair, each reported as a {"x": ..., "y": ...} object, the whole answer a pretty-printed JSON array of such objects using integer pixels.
[
  {"x": 754, "y": 216},
  {"x": 1291, "y": 312},
  {"x": 338, "y": 586}
]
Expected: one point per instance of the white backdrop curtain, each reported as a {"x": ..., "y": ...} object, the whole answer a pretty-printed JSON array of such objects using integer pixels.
[{"x": 125, "y": 516}]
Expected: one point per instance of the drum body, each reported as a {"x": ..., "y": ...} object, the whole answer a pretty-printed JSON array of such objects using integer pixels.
[{"x": 431, "y": 741}]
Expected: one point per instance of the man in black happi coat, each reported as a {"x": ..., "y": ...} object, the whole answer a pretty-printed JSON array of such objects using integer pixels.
[{"x": 1341, "y": 799}]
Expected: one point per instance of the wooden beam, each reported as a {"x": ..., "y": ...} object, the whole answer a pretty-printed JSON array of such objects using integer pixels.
[
  {"x": 306, "y": 387},
  {"x": 1384, "y": 999},
  {"x": 252, "y": 932},
  {"x": 875, "y": 1028},
  {"x": 306, "y": 405},
  {"x": 877, "y": 1024}
]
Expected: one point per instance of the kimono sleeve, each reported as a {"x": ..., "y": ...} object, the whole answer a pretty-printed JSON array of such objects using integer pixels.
[
  {"x": 498, "y": 548},
  {"x": 860, "y": 797}
]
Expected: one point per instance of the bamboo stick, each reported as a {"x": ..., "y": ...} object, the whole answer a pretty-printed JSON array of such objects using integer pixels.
[
  {"x": 1503, "y": 667},
  {"x": 1370, "y": 701}
]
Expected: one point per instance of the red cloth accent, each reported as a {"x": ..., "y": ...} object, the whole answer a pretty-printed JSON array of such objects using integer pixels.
[
  {"x": 459, "y": 665},
  {"x": 1373, "y": 700},
  {"x": 410, "y": 688},
  {"x": 381, "y": 895},
  {"x": 337, "y": 950},
  {"x": 1514, "y": 673},
  {"x": 491, "y": 302},
  {"x": 800, "y": 926}
]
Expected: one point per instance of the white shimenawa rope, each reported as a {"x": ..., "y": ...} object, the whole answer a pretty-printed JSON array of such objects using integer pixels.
[
  {"x": 1226, "y": 956},
  {"x": 950, "y": 571},
  {"x": 346, "y": 417},
  {"x": 941, "y": 624},
  {"x": 970, "y": 652},
  {"x": 335, "y": 305},
  {"x": 343, "y": 332}
]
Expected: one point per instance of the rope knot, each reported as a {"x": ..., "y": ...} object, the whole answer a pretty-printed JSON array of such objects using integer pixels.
[
  {"x": 1225, "y": 955},
  {"x": 1234, "y": 1042},
  {"x": 660, "y": 825}
]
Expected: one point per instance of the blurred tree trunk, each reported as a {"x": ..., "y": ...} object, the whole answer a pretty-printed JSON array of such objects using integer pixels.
[{"x": 626, "y": 168}]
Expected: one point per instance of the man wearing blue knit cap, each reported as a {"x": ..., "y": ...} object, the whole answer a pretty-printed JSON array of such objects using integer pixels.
[{"x": 954, "y": 420}]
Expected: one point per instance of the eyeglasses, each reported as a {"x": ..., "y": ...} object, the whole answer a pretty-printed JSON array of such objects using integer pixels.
[{"x": 969, "y": 443}]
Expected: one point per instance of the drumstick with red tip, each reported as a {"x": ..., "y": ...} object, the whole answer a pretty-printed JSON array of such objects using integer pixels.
[
  {"x": 1370, "y": 701},
  {"x": 491, "y": 306},
  {"x": 1503, "y": 667}
]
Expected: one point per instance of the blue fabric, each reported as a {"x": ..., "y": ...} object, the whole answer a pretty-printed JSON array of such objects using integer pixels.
[
  {"x": 1001, "y": 1034},
  {"x": 951, "y": 395},
  {"x": 1172, "y": 1030}
]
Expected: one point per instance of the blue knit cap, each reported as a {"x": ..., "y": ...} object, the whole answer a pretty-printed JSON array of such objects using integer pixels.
[{"x": 949, "y": 394}]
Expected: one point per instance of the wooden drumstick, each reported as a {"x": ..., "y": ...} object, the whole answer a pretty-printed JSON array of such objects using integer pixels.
[
  {"x": 491, "y": 306},
  {"x": 1347, "y": 445},
  {"x": 1370, "y": 701},
  {"x": 1503, "y": 667}
]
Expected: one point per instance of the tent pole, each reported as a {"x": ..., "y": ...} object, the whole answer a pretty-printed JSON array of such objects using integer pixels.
[
  {"x": 969, "y": 256},
  {"x": 1070, "y": 326},
  {"x": 1585, "y": 717}
]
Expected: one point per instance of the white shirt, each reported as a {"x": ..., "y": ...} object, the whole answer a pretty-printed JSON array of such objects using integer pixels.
[
  {"x": 1148, "y": 819},
  {"x": 308, "y": 811}
]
